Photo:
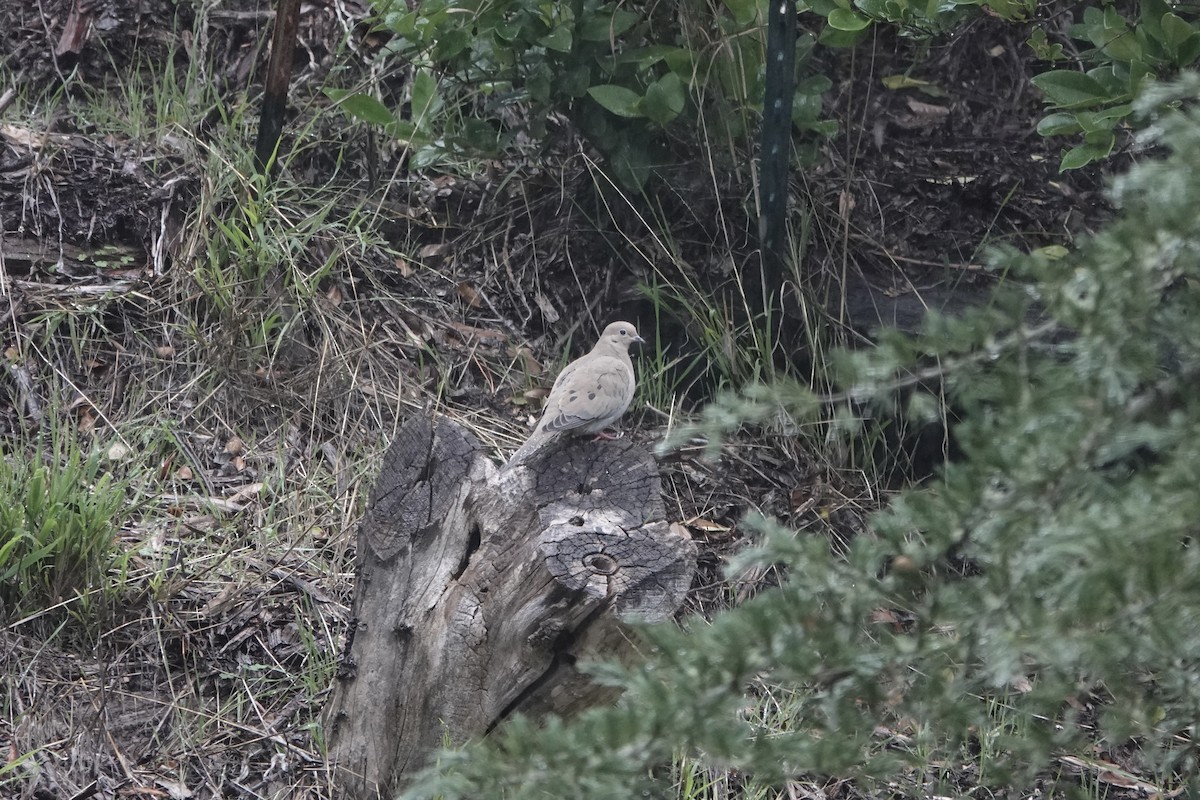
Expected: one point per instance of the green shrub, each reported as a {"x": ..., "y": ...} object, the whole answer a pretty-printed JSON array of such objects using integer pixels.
[
  {"x": 847, "y": 23},
  {"x": 59, "y": 515},
  {"x": 1124, "y": 57},
  {"x": 625, "y": 73},
  {"x": 1041, "y": 598}
]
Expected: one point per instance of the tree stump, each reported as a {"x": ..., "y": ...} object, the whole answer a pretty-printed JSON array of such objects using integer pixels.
[{"x": 478, "y": 589}]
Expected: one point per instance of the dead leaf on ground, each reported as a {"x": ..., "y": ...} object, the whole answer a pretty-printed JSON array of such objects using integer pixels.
[
  {"x": 528, "y": 362},
  {"x": 547, "y": 308},
  {"x": 246, "y": 492},
  {"x": 536, "y": 393},
  {"x": 922, "y": 116},
  {"x": 469, "y": 294},
  {"x": 930, "y": 110},
  {"x": 435, "y": 252},
  {"x": 846, "y": 204},
  {"x": 1116, "y": 775},
  {"x": 472, "y": 334},
  {"x": 707, "y": 525}
]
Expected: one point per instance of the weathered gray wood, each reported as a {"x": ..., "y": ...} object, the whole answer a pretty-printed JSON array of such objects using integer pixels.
[{"x": 478, "y": 590}]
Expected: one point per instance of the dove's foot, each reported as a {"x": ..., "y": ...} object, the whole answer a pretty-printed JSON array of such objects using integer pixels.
[{"x": 606, "y": 435}]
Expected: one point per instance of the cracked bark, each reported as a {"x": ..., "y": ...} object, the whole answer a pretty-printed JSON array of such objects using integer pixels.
[{"x": 478, "y": 590}]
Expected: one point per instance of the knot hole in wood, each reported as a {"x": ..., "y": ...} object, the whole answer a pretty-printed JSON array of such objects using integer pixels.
[{"x": 601, "y": 563}]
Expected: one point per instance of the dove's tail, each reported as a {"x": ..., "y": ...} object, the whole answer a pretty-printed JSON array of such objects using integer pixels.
[{"x": 533, "y": 444}]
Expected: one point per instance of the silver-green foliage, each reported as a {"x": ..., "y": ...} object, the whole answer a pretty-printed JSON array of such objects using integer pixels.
[{"x": 1053, "y": 570}]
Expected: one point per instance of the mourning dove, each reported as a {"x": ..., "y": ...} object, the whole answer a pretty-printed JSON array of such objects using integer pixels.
[{"x": 591, "y": 393}]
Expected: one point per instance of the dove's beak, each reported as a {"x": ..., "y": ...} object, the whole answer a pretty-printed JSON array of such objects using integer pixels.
[{"x": 638, "y": 340}]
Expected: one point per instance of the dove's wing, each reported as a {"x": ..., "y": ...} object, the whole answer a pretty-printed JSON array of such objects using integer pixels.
[{"x": 591, "y": 396}]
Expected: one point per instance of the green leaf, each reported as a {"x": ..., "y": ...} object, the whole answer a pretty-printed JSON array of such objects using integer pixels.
[
  {"x": 1104, "y": 119},
  {"x": 1069, "y": 89},
  {"x": 1096, "y": 148},
  {"x": 558, "y": 39},
  {"x": 1042, "y": 48},
  {"x": 899, "y": 82},
  {"x": 824, "y": 127},
  {"x": 1189, "y": 51},
  {"x": 806, "y": 108},
  {"x": 404, "y": 24},
  {"x": 646, "y": 57},
  {"x": 1058, "y": 125},
  {"x": 427, "y": 156},
  {"x": 1139, "y": 73},
  {"x": 896, "y": 82},
  {"x": 507, "y": 31},
  {"x": 814, "y": 84},
  {"x": 664, "y": 99},
  {"x": 1012, "y": 10},
  {"x": 603, "y": 27},
  {"x": 367, "y": 108},
  {"x": 1054, "y": 252},
  {"x": 620, "y": 100},
  {"x": 404, "y": 131},
  {"x": 631, "y": 166},
  {"x": 481, "y": 136},
  {"x": 575, "y": 81},
  {"x": 1076, "y": 157},
  {"x": 451, "y": 43},
  {"x": 846, "y": 20},
  {"x": 682, "y": 62},
  {"x": 1152, "y": 12},
  {"x": 1093, "y": 17},
  {"x": 426, "y": 101},
  {"x": 744, "y": 11},
  {"x": 879, "y": 9},
  {"x": 833, "y": 37},
  {"x": 1122, "y": 45},
  {"x": 824, "y": 7},
  {"x": 1113, "y": 76},
  {"x": 1175, "y": 30},
  {"x": 538, "y": 83}
]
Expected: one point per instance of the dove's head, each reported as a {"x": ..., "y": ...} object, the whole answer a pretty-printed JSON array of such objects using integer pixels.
[{"x": 621, "y": 335}]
